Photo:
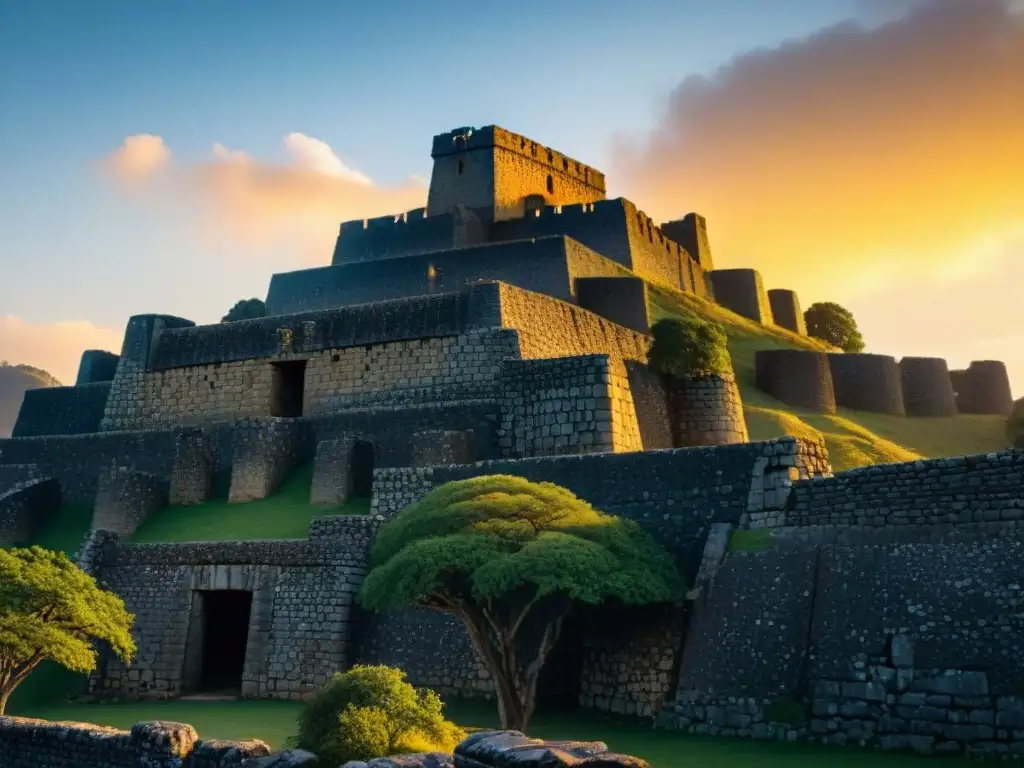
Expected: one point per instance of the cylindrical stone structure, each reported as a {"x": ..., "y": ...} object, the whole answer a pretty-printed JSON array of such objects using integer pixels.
[
  {"x": 742, "y": 291},
  {"x": 865, "y": 382},
  {"x": 984, "y": 388},
  {"x": 705, "y": 411},
  {"x": 786, "y": 310},
  {"x": 796, "y": 377},
  {"x": 927, "y": 390}
]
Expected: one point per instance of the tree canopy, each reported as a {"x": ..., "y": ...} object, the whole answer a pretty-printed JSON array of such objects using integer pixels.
[
  {"x": 52, "y": 609},
  {"x": 510, "y": 557},
  {"x": 246, "y": 309},
  {"x": 834, "y": 324},
  {"x": 689, "y": 347}
]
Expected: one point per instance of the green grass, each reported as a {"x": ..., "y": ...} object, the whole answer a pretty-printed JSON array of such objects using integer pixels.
[
  {"x": 853, "y": 438},
  {"x": 274, "y": 722},
  {"x": 285, "y": 514},
  {"x": 750, "y": 541}
]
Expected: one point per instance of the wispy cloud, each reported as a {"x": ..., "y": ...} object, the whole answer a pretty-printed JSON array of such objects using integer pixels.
[{"x": 246, "y": 200}]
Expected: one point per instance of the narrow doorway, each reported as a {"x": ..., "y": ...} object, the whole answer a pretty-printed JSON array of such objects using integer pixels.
[
  {"x": 287, "y": 387},
  {"x": 226, "y": 619},
  {"x": 360, "y": 470}
]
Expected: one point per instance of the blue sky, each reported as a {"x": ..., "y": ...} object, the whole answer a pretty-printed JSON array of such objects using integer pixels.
[{"x": 374, "y": 81}]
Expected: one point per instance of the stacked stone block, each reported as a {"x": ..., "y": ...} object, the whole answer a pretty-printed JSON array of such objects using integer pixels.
[
  {"x": 786, "y": 312},
  {"x": 28, "y": 743},
  {"x": 396, "y": 488},
  {"x": 623, "y": 300},
  {"x": 866, "y": 382},
  {"x": 96, "y": 366},
  {"x": 265, "y": 450},
  {"x": 629, "y": 659},
  {"x": 927, "y": 390},
  {"x": 564, "y": 406},
  {"x": 193, "y": 471},
  {"x": 953, "y": 491},
  {"x": 706, "y": 411},
  {"x": 27, "y": 506},
  {"x": 437, "y": 447},
  {"x": 299, "y": 632},
  {"x": 62, "y": 410},
  {"x": 125, "y": 499},
  {"x": 742, "y": 291},
  {"x": 331, "y": 482},
  {"x": 983, "y": 388},
  {"x": 799, "y": 378}
]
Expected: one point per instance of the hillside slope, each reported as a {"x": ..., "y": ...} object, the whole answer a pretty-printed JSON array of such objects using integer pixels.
[
  {"x": 854, "y": 438},
  {"x": 14, "y": 380}
]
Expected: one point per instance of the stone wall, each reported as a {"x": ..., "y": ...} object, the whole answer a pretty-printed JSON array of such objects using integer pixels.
[
  {"x": 742, "y": 291},
  {"x": 630, "y": 658},
  {"x": 983, "y": 388},
  {"x": 299, "y": 630},
  {"x": 864, "y": 382},
  {"x": 26, "y": 507},
  {"x": 691, "y": 232},
  {"x": 566, "y": 405},
  {"x": 428, "y": 369},
  {"x": 27, "y": 743},
  {"x": 927, "y": 390},
  {"x": 786, "y": 312},
  {"x": 438, "y": 447},
  {"x": 953, "y": 491},
  {"x": 796, "y": 377},
  {"x": 13, "y": 474},
  {"x": 96, "y": 366},
  {"x": 193, "y": 472},
  {"x": 62, "y": 410},
  {"x": 706, "y": 411},
  {"x": 265, "y": 451},
  {"x": 125, "y": 499},
  {"x": 622, "y": 300},
  {"x": 901, "y": 638},
  {"x": 650, "y": 402}
]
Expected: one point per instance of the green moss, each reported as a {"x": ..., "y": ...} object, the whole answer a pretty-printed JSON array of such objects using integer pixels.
[
  {"x": 751, "y": 541},
  {"x": 688, "y": 346}
]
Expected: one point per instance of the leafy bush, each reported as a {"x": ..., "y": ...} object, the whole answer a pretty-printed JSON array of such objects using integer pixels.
[
  {"x": 371, "y": 712},
  {"x": 834, "y": 324},
  {"x": 246, "y": 309},
  {"x": 1015, "y": 425},
  {"x": 689, "y": 348}
]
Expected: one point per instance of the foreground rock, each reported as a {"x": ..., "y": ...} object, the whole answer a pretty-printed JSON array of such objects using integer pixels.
[{"x": 512, "y": 749}]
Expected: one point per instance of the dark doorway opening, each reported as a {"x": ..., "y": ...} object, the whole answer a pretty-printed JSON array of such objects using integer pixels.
[
  {"x": 559, "y": 684},
  {"x": 360, "y": 471},
  {"x": 226, "y": 624},
  {"x": 287, "y": 387}
]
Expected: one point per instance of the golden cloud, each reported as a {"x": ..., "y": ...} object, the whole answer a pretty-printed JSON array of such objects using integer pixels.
[
  {"x": 858, "y": 153},
  {"x": 55, "y": 347}
]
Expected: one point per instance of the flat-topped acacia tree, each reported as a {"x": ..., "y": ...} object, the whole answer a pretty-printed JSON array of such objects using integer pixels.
[
  {"x": 52, "y": 609},
  {"x": 510, "y": 557}
]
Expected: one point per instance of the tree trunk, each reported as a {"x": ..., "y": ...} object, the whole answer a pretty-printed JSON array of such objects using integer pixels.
[
  {"x": 4, "y": 696},
  {"x": 515, "y": 689}
]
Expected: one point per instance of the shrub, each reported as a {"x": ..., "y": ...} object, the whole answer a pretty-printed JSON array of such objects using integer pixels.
[
  {"x": 371, "y": 712},
  {"x": 1015, "y": 425},
  {"x": 834, "y": 324},
  {"x": 689, "y": 348}
]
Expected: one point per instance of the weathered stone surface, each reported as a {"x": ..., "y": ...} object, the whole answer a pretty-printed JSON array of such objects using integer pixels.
[
  {"x": 512, "y": 749},
  {"x": 290, "y": 758}
]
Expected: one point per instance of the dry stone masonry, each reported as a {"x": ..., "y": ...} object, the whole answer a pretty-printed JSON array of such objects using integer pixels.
[{"x": 504, "y": 329}]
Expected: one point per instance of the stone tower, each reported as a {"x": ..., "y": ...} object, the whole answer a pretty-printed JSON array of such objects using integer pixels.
[{"x": 503, "y": 175}]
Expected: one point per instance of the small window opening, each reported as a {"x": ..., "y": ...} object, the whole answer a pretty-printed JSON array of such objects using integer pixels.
[
  {"x": 551, "y": 184},
  {"x": 460, "y": 166}
]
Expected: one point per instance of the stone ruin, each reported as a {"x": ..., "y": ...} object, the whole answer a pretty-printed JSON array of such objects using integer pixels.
[{"x": 504, "y": 330}]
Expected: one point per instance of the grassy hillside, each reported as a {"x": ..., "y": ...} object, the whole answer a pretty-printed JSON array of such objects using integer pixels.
[
  {"x": 854, "y": 438},
  {"x": 14, "y": 380}
]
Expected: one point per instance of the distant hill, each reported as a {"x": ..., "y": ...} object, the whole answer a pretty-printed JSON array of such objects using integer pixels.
[{"x": 14, "y": 380}]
